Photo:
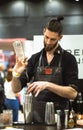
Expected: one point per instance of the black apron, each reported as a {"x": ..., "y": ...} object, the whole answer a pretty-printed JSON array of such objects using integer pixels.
[{"x": 54, "y": 75}]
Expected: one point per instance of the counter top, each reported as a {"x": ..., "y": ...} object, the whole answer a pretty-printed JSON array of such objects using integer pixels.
[
  {"x": 37, "y": 127},
  {"x": 40, "y": 127}
]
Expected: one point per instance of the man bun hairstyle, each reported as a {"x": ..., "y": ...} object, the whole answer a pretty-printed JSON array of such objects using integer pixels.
[
  {"x": 59, "y": 18},
  {"x": 55, "y": 25}
]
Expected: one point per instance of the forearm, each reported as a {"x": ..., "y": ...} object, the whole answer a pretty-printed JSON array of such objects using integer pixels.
[
  {"x": 63, "y": 91},
  {"x": 16, "y": 84}
]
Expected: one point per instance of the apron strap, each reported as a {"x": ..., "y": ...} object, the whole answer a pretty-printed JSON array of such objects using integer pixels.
[{"x": 59, "y": 65}]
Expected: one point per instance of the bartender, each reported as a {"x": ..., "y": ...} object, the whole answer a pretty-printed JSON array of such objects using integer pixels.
[{"x": 52, "y": 73}]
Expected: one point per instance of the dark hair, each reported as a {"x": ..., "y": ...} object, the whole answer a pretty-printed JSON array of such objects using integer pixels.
[
  {"x": 9, "y": 76},
  {"x": 55, "y": 25}
]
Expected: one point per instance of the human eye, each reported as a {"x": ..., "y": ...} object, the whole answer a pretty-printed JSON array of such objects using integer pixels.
[
  {"x": 53, "y": 39},
  {"x": 46, "y": 37}
]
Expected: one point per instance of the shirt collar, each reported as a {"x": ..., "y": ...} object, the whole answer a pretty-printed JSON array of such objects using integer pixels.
[{"x": 57, "y": 51}]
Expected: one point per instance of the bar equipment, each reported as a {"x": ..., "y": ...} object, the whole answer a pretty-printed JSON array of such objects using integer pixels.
[
  {"x": 58, "y": 119},
  {"x": 27, "y": 108},
  {"x": 66, "y": 111},
  {"x": 49, "y": 113}
]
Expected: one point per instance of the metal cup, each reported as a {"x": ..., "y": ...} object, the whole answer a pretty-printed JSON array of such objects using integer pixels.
[
  {"x": 49, "y": 113},
  {"x": 28, "y": 108}
]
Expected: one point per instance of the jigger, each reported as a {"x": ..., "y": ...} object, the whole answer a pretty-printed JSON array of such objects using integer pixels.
[{"x": 49, "y": 113}]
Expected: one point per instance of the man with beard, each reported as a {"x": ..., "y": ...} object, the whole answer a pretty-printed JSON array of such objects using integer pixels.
[{"x": 53, "y": 73}]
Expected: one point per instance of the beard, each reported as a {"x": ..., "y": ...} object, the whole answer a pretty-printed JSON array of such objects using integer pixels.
[{"x": 50, "y": 47}]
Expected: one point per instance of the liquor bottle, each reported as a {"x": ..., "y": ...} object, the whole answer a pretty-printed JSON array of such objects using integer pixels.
[
  {"x": 71, "y": 121},
  {"x": 79, "y": 104},
  {"x": 19, "y": 50}
]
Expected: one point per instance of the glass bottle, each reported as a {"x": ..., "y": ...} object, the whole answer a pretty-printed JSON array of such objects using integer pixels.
[
  {"x": 71, "y": 104},
  {"x": 79, "y": 103},
  {"x": 19, "y": 50},
  {"x": 71, "y": 121}
]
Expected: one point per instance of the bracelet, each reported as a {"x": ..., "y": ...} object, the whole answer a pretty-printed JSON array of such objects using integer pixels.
[{"x": 15, "y": 74}]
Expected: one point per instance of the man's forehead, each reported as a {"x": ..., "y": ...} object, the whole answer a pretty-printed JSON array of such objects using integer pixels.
[{"x": 50, "y": 34}]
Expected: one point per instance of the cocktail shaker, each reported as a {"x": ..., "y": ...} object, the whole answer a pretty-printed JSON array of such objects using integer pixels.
[
  {"x": 27, "y": 108},
  {"x": 49, "y": 113}
]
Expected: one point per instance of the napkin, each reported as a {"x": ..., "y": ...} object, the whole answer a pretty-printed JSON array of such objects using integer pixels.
[{"x": 11, "y": 128}]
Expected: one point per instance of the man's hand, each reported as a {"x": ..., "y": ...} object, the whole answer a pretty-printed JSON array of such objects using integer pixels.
[
  {"x": 37, "y": 87},
  {"x": 20, "y": 66}
]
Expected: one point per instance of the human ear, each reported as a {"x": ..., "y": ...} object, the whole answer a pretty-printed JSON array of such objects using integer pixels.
[
  {"x": 44, "y": 30},
  {"x": 60, "y": 37}
]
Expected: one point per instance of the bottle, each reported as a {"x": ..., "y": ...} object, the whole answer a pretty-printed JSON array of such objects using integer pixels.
[
  {"x": 74, "y": 117},
  {"x": 19, "y": 50},
  {"x": 71, "y": 121},
  {"x": 79, "y": 103}
]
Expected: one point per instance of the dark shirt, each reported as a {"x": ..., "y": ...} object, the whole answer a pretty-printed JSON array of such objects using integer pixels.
[{"x": 68, "y": 63}]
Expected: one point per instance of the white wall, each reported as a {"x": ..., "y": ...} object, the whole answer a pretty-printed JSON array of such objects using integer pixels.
[{"x": 28, "y": 48}]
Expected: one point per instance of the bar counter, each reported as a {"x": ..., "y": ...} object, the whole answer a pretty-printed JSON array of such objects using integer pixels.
[{"x": 39, "y": 127}]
